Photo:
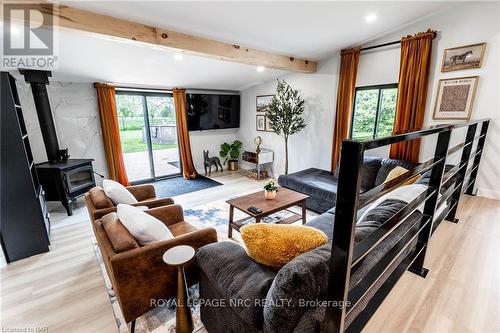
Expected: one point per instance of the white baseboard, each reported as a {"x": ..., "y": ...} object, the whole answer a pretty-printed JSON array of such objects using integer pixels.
[{"x": 487, "y": 193}]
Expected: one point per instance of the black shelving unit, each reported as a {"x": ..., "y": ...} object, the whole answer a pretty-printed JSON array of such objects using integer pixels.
[{"x": 25, "y": 223}]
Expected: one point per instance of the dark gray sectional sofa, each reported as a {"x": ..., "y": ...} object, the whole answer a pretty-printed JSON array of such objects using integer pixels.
[
  {"x": 321, "y": 185},
  {"x": 243, "y": 296}
]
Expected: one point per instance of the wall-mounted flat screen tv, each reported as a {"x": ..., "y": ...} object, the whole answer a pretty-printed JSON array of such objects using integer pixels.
[{"x": 211, "y": 111}]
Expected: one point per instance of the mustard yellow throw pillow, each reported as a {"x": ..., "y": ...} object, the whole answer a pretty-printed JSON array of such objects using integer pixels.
[
  {"x": 274, "y": 245},
  {"x": 398, "y": 171}
]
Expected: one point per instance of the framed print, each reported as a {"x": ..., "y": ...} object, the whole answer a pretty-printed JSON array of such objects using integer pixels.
[
  {"x": 263, "y": 102},
  {"x": 268, "y": 125},
  {"x": 455, "y": 98},
  {"x": 260, "y": 121},
  {"x": 463, "y": 57}
]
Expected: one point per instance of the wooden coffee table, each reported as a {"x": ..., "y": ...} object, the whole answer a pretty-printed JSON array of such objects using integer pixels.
[{"x": 285, "y": 198}]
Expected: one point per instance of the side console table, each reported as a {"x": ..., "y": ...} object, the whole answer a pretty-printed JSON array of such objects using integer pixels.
[{"x": 263, "y": 160}]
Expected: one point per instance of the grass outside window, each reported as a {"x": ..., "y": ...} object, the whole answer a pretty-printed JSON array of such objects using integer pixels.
[{"x": 132, "y": 142}]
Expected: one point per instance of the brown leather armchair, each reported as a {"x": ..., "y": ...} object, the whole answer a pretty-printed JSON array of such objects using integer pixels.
[
  {"x": 138, "y": 273},
  {"x": 99, "y": 204}
]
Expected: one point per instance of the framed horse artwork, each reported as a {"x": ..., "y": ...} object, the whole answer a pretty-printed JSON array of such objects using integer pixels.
[{"x": 463, "y": 57}]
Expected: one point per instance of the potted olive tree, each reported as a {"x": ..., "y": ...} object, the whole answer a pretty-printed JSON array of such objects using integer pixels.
[
  {"x": 230, "y": 154},
  {"x": 285, "y": 113}
]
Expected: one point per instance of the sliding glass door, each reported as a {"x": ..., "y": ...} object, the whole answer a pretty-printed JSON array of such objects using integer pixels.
[
  {"x": 148, "y": 134},
  {"x": 163, "y": 134}
]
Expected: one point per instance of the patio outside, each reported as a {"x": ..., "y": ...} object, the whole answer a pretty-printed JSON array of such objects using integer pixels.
[{"x": 166, "y": 162}]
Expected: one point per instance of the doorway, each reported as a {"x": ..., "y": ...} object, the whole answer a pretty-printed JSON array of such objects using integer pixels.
[{"x": 148, "y": 135}]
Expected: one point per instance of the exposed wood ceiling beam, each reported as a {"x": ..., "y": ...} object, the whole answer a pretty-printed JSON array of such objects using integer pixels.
[{"x": 78, "y": 19}]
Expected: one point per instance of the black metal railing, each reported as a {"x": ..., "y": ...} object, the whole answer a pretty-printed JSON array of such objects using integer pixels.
[{"x": 409, "y": 250}]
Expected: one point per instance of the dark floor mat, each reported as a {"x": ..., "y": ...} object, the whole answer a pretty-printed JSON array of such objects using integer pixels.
[{"x": 178, "y": 185}]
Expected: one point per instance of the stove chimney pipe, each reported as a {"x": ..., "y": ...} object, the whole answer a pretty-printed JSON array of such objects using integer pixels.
[{"x": 38, "y": 80}]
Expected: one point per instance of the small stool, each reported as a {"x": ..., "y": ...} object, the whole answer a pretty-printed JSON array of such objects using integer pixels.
[{"x": 178, "y": 256}]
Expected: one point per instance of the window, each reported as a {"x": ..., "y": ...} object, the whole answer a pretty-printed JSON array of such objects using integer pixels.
[{"x": 374, "y": 111}]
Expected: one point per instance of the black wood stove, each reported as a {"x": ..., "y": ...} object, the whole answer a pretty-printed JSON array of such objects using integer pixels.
[
  {"x": 62, "y": 179},
  {"x": 65, "y": 182}
]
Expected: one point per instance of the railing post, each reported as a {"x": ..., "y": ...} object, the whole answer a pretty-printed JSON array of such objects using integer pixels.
[
  {"x": 464, "y": 161},
  {"x": 436, "y": 177},
  {"x": 351, "y": 161},
  {"x": 477, "y": 159}
]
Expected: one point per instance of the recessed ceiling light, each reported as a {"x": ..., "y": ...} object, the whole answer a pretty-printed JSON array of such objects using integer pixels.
[
  {"x": 260, "y": 69},
  {"x": 178, "y": 56},
  {"x": 371, "y": 17}
]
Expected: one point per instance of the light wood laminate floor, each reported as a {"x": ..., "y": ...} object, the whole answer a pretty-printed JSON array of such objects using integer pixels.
[
  {"x": 64, "y": 291},
  {"x": 461, "y": 293}
]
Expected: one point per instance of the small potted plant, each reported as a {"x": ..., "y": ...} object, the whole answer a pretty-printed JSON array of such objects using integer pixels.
[
  {"x": 230, "y": 153},
  {"x": 270, "y": 189}
]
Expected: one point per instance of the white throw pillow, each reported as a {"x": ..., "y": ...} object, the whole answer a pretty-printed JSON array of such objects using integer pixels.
[
  {"x": 117, "y": 192},
  {"x": 145, "y": 228}
]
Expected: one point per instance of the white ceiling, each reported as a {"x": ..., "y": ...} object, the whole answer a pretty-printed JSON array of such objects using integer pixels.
[
  {"x": 313, "y": 30},
  {"x": 91, "y": 58},
  {"x": 300, "y": 28}
]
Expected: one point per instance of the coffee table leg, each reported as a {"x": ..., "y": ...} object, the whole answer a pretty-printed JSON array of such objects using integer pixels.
[
  {"x": 257, "y": 219},
  {"x": 303, "y": 204},
  {"x": 231, "y": 216}
]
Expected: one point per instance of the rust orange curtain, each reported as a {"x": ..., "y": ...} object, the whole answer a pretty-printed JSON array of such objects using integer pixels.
[
  {"x": 110, "y": 133},
  {"x": 188, "y": 170},
  {"x": 349, "y": 59},
  {"x": 412, "y": 92}
]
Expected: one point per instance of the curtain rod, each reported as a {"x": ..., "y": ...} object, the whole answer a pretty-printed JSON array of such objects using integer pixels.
[
  {"x": 390, "y": 43},
  {"x": 131, "y": 88},
  {"x": 380, "y": 45},
  {"x": 142, "y": 89}
]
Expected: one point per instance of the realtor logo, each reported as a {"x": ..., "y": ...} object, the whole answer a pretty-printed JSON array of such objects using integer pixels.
[{"x": 28, "y": 36}]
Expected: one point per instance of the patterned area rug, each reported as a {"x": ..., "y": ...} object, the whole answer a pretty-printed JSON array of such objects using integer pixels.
[
  {"x": 215, "y": 214},
  {"x": 162, "y": 319}
]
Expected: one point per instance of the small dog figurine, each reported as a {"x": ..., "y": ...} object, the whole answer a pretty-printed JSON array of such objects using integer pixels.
[{"x": 209, "y": 161}]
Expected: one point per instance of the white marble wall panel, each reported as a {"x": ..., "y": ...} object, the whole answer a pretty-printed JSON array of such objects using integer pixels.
[{"x": 76, "y": 117}]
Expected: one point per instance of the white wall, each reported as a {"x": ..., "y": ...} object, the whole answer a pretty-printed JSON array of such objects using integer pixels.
[
  {"x": 379, "y": 66},
  {"x": 76, "y": 117},
  {"x": 211, "y": 141},
  {"x": 312, "y": 146},
  {"x": 467, "y": 23}
]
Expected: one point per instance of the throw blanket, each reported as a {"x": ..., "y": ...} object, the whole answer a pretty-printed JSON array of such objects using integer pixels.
[{"x": 405, "y": 194}]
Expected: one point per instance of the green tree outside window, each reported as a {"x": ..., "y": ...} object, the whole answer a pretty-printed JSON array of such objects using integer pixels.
[{"x": 374, "y": 112}]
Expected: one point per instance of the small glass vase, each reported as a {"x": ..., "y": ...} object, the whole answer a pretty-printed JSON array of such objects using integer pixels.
[{"x": 270, "y": 195}]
